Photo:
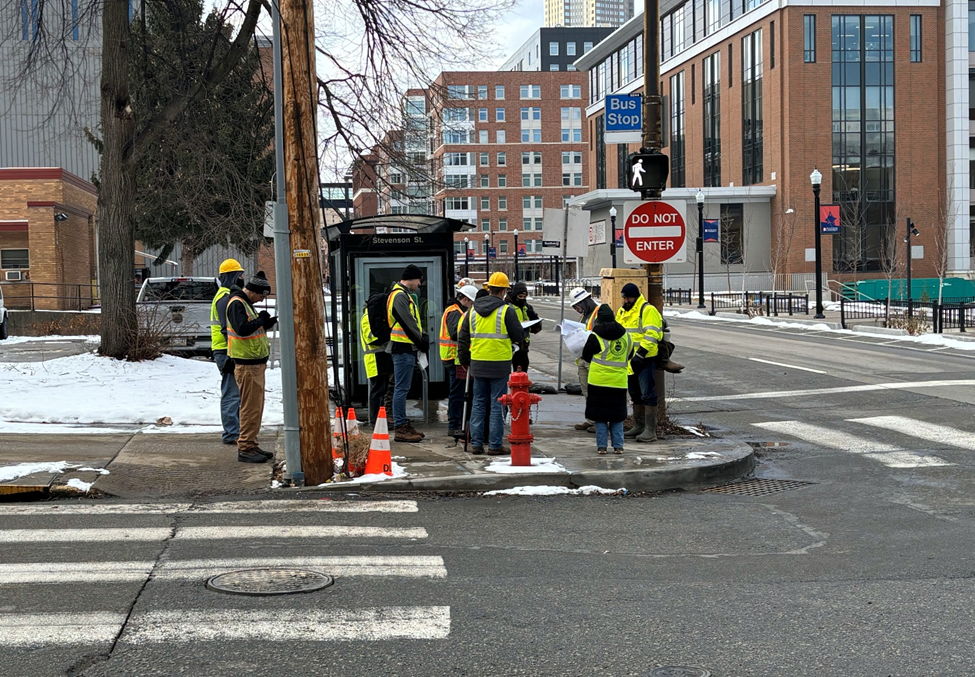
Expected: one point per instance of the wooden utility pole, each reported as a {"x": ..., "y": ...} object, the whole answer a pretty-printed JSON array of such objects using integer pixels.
[{"x": 301, "y": 175}]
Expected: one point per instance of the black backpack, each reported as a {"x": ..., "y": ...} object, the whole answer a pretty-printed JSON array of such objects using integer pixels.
[{"x": 378, "y": 320}]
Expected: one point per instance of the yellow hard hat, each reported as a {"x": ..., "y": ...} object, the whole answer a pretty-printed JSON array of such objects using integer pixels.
[
  {"x": 231, "y": 266},
  {"x": 498, "y": 280}
]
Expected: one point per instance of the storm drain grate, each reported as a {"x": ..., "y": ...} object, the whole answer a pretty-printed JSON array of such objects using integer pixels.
[
  {"x": 269, "y": 581},
  {"x": 678, "y": 671},
  {"x": 757, "y": 486}
]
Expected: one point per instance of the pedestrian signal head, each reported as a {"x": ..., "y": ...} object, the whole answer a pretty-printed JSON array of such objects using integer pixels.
[
  {"x": 231, "y": 266},
  {"x": 578, "y": 294},
  {"x": 498, "y": 280},
  {"x": 470, "y": 291}
]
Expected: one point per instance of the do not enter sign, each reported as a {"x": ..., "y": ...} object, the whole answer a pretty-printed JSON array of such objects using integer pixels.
[{"x": 654, "y": 232}]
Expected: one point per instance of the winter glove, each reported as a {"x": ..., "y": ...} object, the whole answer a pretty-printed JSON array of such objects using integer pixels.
[
  {"x": 263, "y": 316},
  {"x": 269, "y": 321},
  {"x": 424, "y": 345},
  {"x": 638, "y": 362},
  {"x": 228, "y": 367},
  {"x": 460, "y": 372}
]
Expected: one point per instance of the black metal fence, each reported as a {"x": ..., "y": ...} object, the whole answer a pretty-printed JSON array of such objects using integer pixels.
[
  {"x": 29, "y": 295},
  {"x": 949, "y": 314},
  {"x": 677, "y": 297},
  {"x": 771, "y": 303}
]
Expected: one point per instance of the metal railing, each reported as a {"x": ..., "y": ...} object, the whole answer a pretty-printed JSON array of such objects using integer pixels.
[
  {"x": 677, "y": 297},
  {"x": 29, "y": 295},
  {"x": 949, "y": 314},
  {"x": 773, "y": 303}
]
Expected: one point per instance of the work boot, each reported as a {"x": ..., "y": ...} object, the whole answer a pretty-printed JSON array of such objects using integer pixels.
[
  {"x": 582, "y": 426},
  {"x": 413, "y": 430},
  {"x": 251, "y": 456},
  {"x": 628, "y": 424},
  {"x": 649, "y": 433},
  {"x": 638, "y": 424},
  {"x": 673, "y": 367},
  {"x": 405, "y": 434},
  {"x": 591, "y": 428},
  {"x": 477, "y": 449},
  {"x": 498, "y": 451},
  {"x": 266, "y": 454}
]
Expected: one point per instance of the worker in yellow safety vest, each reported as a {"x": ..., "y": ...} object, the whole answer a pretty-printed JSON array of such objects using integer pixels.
[
  {"x": 485, "y": 346},
  {"x": 607, "y": 350},
  {"x": 231, "y": 278},
  {"x": 518, "y": 298},
  {"x": 449, "y": 326},
  {"x": 583, "y": 303},
  {"x": 644, "y": 324},
  {"x": 406, "y": 338},
  {"x": 379, "y": 368}
]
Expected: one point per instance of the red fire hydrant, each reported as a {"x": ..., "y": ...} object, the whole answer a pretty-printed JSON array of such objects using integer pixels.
[{"x": 519, "y": 400}]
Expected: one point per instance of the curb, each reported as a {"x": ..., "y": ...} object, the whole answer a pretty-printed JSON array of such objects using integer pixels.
[{"x": 678, "y": 477}]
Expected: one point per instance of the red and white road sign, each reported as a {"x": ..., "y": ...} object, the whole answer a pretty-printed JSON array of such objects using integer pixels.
[{"x": 654, "y": 232}]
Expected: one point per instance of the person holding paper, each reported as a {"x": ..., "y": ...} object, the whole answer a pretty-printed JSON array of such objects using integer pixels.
[
  {"x": 583, "y": 303},
  {"x": 518, "y": 298},
  {"x": 406, "y": 339}
]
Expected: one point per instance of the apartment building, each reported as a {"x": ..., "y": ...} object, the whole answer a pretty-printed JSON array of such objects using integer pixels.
[{"x": 612, "y": 13}]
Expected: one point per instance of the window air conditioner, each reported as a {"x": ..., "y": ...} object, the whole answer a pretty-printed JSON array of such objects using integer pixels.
[{"x": 12, "y": 276}]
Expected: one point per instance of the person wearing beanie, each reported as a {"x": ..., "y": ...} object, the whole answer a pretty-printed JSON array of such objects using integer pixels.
[
  {"x": 230, "y": 278},
  {"x": 608, "y": 352},
  {"x": 584, "y": 304},
  {"x": 644, "y": 324},
  {"x": 406, "y": 338},
  {"x": 518, "y": 298},
  {"x": 449, "y": 325},
  {"x": 249, "y": 348}
]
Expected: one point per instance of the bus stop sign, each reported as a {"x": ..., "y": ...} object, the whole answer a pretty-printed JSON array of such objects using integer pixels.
[{"x": 654, "y": 232}]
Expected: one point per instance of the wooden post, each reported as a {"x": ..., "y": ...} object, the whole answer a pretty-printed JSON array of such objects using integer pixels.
[{"x": 301, "y": 189}]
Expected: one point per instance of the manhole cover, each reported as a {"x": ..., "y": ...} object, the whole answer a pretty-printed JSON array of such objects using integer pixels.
[
  {"x": 269, "y": 581},
  {"x": 757, "y": 486},
  {"x": 678, "y": 671}
]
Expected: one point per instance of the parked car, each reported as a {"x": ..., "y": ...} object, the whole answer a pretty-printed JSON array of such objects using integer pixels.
[
  {"x": 3, "y": 318},
  {"x": 178, "y": 310}
]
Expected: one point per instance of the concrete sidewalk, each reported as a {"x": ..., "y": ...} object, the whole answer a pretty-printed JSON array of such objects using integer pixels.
[{"x": 169, "y": 465}]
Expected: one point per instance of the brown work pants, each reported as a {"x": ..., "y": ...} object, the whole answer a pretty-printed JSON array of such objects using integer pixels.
[{"x": 250, "y": 381}]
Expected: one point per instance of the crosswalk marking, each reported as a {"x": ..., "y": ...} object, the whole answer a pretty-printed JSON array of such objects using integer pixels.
[
  {"x": 939, "y": 434},
  {"x": 281, "y": 506},
  {"x": 199, "y": 569},
  {"x": 153, "y": 534},
  {"x": 57, "y": 628},
  {"x": 778, "y": 394},
  {"x": 887, "y": 454}
]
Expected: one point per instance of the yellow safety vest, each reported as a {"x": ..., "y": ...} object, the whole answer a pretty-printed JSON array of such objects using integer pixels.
[
  {"x": 522, "y": 314},
  {"x": 448, "y": 346},
  {"x": 489, "y": 338},
  {"x": 367, "y": 340},
  {"x": 396, "y": 329},
  {"x": 609, "y": 366},
  {"x": 592, "y": 317},
  {"x": 460, "y": 323},
  {"x": 218, "y": 340},
  {"x": 252, "y": 347},
  {"x": 644, "y": 325}
]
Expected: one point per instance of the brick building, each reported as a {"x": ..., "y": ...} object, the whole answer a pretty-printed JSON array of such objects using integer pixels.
[
  {"x": 47, "y": 238},
  {"x": 758, "y": 94}
]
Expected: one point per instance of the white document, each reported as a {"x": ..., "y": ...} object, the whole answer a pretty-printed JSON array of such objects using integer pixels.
[
  {"x": 575, "y": 335},
  {"x": 530, "y": 323},
  {"x": 421, "y": 359}
]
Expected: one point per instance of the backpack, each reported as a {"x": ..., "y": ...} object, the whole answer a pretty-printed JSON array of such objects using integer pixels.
[{"x": 378, "y": 320}]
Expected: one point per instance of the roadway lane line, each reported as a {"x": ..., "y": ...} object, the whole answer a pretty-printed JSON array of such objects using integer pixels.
[
  {"x": 150, "y": 534},
  {"x": 939, "y": 434},
  {"x": 282, "y": 506},
  {"x": 774, "y": 394},
  {"x": 907, "y": 459},
  {"x": 200, "y": 569},
  {"x": 284, "y": 625},
  {"x": 783, "y": 364},
  {"x": 25, "y": 630}
]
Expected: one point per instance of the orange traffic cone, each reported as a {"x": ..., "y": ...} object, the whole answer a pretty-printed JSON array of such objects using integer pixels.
[
  {"x": 380, "y": 461},
  {"x": 352, "y": 424},
  {"x": 337, "y": 445}
]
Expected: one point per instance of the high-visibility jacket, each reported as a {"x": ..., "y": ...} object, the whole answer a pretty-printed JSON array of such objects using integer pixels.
[
  {"x": 396, "y": 329},
  {"x": 218, "y": 339},
  {"x": 644, "y": 325},
  {"x": 253, "y": 347},
  {"x": 489, "y": 337},
  {"x": 460, "y": 323},
  {"x": 369, "y": 342},
  {"x": 609, "y": 367},
  {"x": 591, "y": 320},
  {"x": 448, "y": 346}
]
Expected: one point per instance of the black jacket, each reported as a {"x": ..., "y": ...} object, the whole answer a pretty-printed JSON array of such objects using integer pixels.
[
  {"x": 484, "y": 306},
  {"x": 237, "y": 320}
]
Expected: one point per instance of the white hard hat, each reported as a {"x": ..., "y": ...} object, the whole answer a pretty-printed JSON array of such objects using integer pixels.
[
  {"x": 464, "y": 281},
  {"x": 469, "y": 290},
  {"x": 578, "y": 294}
]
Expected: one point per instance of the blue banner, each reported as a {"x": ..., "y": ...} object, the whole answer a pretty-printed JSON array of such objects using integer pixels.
[
  {"x": 710, "y": 230},
  {"x": 492, "y": 252}
]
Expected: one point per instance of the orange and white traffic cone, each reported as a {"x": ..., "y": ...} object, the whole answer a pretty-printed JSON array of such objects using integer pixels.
[
  {"x": 338, "y": 456},
  {"x": 352, "y": 424},
  {"x": 380, "y": 461}
]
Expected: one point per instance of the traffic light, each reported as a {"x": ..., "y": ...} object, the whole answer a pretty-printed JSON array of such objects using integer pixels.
[{"x": 647, "y": 172}]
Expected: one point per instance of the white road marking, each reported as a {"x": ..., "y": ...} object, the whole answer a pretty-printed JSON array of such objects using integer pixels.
[
  {"x": 204, "y": 533},
  {"x": 282, "y": 506},
  {"x": 939, "y": 434},
  {"x": 309, "y": 625},
  {"x": 783, "y": 364},
  {"x": 56, "y": 628},
  {"x": 888, "y": 454},
  {"x": 775, "y": 394},
  {"x": 200, "y": 569}
]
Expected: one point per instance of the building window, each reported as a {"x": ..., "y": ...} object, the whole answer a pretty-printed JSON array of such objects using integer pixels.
[
  {"x": 531, "y": 157},
  {"x": 915, "y": 38},
  {"x": 482, "y": 136},
  {"x": 503, "y": 202},
  {"x": 456, "y": 203},
  {"x": 553, "y": 49},
  {"x": 586, "y": 46},
  {"x": 600, "y": 146},
  {"x": 570, "y": 91},
  {"x": 502, "y": 180},
  {"x": 30, "y": 19},
  {"x": 533, "y": 113},
  {"x": 570, "y": 49},
  {"x": 863, "y": 140},
  {"x": 14, "y": 258},
  {"x": 482, "y": 114},
  {"x": 809, "y": 38},
  {"x": 458, "y": 92},
  {"x": 572, "y": 178},
  {"x": 499, "y": 91},
  {"x": 456, "y": 159},
  {"x": 553, "y": 66},
  {"x": 771, "y": 45},
  {"x": 677, "y": 104},
  {"x": 499, "y": 114},
  {"x": 483, "y": 159},
  {"x": 482, "y": 92},
  {"x": 531, "y": 136},
  {"x": 502, "y": 224},
  {"x": 485, "y": 204},
  {"x": 531, "y": 91},
  {"x": 712, "y": 119},
  {"x": 531, "y": 179},
  {"x": 500, "y": 136},
  {"x": 502, "y": 159},
  {"x": 732, "y": 233},
  {"x": 571, "y": 124},
  {"x": 484, "y": 181},
  {"x": 503, "y": 247},
  {"x": 571, "y": 157},
  {"x": 751, "y": 108},
  {"x": 485, "y": 225}
]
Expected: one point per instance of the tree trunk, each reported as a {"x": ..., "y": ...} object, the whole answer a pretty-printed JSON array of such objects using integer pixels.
[
  {"x": 117, "y": 190},
  {"x": 187, "y": 255}
]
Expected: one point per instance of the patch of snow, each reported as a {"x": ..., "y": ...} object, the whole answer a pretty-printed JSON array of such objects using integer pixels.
[
  {"x": 100, "y": 471},
  {"x": 275, "y": 484},
  {"x": 694, "y": 431},
  {"x": 12, "y": 472},
  {"x": 75, "y": 483},
  {"x": 61, "y": 429},
  {"x": 14, "y": 340},
  {"x": 539, "y": 465},
  {"x": 398, "y": 472},
  {"x": 700, "y": 455},
  {"x": 548, "y": 490}
]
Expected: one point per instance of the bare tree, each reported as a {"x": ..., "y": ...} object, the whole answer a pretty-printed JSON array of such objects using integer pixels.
[{"x": 945, "y": 217}]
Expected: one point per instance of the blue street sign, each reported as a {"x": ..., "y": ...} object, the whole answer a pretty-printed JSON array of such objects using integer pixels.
[
  {"x": 624, "y": 113},
  {"x": 710, "y": 230}
]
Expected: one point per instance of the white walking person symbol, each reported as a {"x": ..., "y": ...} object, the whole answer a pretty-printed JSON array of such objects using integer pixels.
[{"x": 637, "y": 170}]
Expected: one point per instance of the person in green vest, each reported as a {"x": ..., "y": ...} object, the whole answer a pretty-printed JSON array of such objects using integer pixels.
[
  {"x": 644, "y": 324},
  {"x": 249, "y": 348},
  {"x": 608, "y": 352},
  {"x": 231, "y": 278},
  {"x": 379, "y": 368},
  {"x": 406, "y": 338},
  {"x": 449, "y": 325},
  {"x": 518, "y": 298}
]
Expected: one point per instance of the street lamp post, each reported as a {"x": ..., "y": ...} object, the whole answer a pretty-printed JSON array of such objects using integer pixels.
[
  {"x": 700, "y": 247},
  {"x": 910, "y": 230},
  {"x": 612, "y": 235},
  {"x": 816, "y": 178},
  {"x": 487, "y": 256},
  {"x": 516, "y": 254},
  {"x": 467, "y": 257}
]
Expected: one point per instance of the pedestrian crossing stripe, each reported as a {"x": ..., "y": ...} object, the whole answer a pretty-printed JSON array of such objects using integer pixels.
[
  {"x": 159, "y": 534},
  {"x": 280, "y": 506},
  {"x": 939, "y": 434}
]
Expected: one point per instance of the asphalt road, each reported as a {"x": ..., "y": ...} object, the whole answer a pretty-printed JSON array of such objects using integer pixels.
[{"x": 861, "y": 566}]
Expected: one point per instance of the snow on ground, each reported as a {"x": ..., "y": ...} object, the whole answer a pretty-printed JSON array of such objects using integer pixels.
[
  {"x": 75, "y": 483},
  {"x": 539, "y": 465},
  {"x": 12, "y": 472},
  {"x": 548, "y": 490},
  {"x": 13, "y": 340},
  {"x": 399, "y": 472}
]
